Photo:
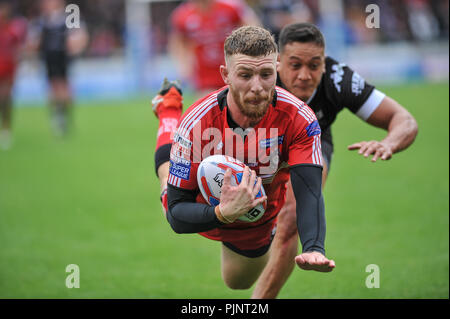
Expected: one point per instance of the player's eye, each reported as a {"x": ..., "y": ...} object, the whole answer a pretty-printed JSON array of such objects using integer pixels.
[
  {"x": 295, "y": 66},
  {"x": 245, "y": 75},
  {"x": 313, "y": 66}
]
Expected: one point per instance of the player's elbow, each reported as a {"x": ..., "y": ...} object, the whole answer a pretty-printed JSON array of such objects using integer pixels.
[{"x": 176, "y": 226}]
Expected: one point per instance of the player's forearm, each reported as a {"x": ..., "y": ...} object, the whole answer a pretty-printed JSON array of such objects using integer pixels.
[
  {"x": 402, "y": 131},
  {"x": 186, "y": 216},
  {"x": 306, "y": 184}
]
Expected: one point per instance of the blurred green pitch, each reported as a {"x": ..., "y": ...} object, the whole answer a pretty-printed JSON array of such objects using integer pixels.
[{"x": 93, "y": 200}]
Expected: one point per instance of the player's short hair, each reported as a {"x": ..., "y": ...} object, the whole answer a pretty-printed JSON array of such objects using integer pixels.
[
  {"x": 300, "y": 32},
  {"x": 250, "y": 40}
]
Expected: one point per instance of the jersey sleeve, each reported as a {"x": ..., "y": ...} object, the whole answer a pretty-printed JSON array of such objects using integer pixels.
[
  {"x": 305, "y": 146},
  {"x": 350, "y": 90},
  {"x": 184, "y": 162}
]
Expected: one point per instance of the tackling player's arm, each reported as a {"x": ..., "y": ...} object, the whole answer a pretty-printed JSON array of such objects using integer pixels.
[
  {"x": 374, "y": 107},
  {"x": 400, "y": 124}
]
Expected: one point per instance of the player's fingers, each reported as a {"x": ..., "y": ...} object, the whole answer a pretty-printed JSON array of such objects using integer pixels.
[
  {"x": 363, "y": 148},
  {"x": 227, "y": 178},
  {"x": 300, "y": 260},
  {"x": 354, "y": 146},
  {"x": 331, "y": 264},
  {"x": 321, "y": 260},
  {"x": 310, "y": 258},
  {"x": 245, "y": 177},
  {"x": 257, "y": 186},
  {"x": 386, "y": 155},
  {"x": 377, "y": 155},
  {"x": 252, "y": 180},
  {"x": 371, "y": 148},
  {"x": 258, "y": 201}
]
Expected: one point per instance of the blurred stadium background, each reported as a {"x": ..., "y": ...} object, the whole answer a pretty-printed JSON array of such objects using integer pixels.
[{"x": 92, "y": 199}]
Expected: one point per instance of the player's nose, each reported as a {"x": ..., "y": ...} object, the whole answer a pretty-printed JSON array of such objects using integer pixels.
[
  {"x": 304, "y": 74},
  {"x": 256, "y": 85}
]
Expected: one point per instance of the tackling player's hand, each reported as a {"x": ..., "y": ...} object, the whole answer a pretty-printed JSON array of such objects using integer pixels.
[
  {"x": 236, "y": 201},
  {"x": 314, "y": 260},
  {"x": 379, "y": 149}
]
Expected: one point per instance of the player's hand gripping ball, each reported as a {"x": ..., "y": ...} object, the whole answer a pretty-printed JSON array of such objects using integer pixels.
[{"x": 210, "y": 179}]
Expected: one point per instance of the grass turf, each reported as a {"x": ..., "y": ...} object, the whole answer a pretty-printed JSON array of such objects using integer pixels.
[{"x": 93, "y": 200}]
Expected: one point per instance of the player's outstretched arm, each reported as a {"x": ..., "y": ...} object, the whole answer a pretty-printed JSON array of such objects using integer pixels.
[
  {"x": 306, "y": 183},
  {"x": 401, "y": 127}
]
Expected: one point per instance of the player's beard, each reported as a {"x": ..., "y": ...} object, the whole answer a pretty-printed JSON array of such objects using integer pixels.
[{"x": 254, "y": 112}]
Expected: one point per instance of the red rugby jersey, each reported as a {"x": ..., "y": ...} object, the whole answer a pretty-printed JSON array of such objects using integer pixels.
[
  {"x": 288, "y": 134},
  {"x": 207, "y": 31},
  {"x": 12, "y": 35}
]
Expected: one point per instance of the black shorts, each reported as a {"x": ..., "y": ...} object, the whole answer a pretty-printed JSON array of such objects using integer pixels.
[
  {"x": 253, "y": 253},
  {"x": 56, "y": 64}
]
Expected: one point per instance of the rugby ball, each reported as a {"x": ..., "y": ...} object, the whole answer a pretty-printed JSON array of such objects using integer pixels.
[{"x": 210, "y": 179}]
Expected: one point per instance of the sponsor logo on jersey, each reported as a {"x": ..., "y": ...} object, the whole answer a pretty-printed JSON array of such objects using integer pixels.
[
  {"x": 357, "y": 84},
  {"x": 313, "y": 129},
  {"x": 180, "y": 169},
  {"x": 269, "y": 142},
  {"x": 337, "y": 75},
  {"x": 182, "y": 141}
]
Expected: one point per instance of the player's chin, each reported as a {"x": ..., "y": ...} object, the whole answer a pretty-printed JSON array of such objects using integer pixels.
[
  {"x": 256, "y": 110},
  {"x": 303, "y": 93}
]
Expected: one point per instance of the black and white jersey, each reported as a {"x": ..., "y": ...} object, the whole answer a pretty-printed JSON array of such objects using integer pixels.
[
  {"x": 341, "y": 87},
  {"x": 53, "y": 33}
]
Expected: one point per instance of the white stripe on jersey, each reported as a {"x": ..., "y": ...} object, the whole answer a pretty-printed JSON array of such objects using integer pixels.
[
  {"x": 309, "y": 116},
  {"x": 304, "y": 111},
  {"x": 204, "y": 111},
  {"x": 183, "y": 129},
  {"x": 317, "y": 151},
  {"x": 314, "y": 151},
  {"x": 173, "y": 180},
  {"x": 299, "y": 104}
]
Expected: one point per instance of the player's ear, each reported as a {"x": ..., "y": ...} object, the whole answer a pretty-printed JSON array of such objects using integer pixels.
[
  {"x": 323, "y": 61},
  {"x": 224, "y": 74}
]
